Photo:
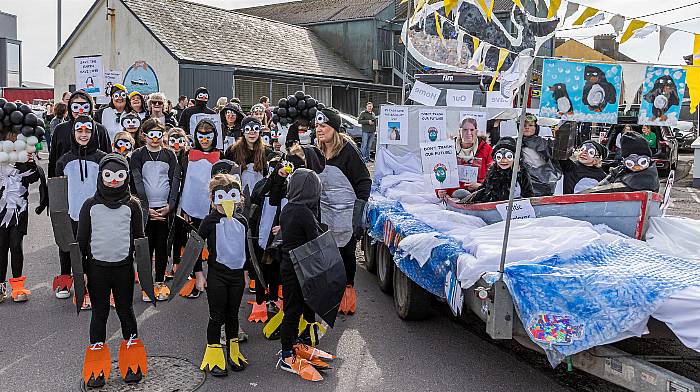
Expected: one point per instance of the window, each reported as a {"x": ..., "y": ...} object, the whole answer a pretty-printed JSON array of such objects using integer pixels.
[{"x": 13, "y": 65}]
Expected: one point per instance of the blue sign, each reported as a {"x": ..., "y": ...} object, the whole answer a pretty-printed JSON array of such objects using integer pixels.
[{"x": 141, "y": 77}]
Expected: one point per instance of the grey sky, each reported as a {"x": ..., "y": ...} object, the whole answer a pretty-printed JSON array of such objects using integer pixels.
[{"x": 36, "y": 21}]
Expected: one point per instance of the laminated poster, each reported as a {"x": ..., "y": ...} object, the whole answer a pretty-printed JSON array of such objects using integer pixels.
[
  {"x": 432, "y": 125},
  {"x": 393, "y": 125},
  {"x": 480, "y": 119},
  {"x": 439, "y": 165},
  {"x": 468, "y": 171},
  {"x": 662, "y": 95}
]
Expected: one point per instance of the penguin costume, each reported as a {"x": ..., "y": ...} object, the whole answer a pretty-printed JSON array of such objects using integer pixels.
[
  {"x": 131, "y": 123},
  {"x": 225, "y": 232},
  {"x": 80, "y": 166},
  {"x": 14, "y": 194},
  {"x": 231, "y": 132},
  {"x": 662, "y": 96},
  {"x": 637, "y": 171},
  {"x": 201, "y": 98},
  {"x": 109, "y": 116},
  {"x": 585, "y": 172},
  {"x": 124, "y": 144},
  {"x": 597, "y": 91},
  {"x": 561, "y": 96},
  {"x": 249, "y": 175},
  {"x": 108, "y": 230},
  {"x": 496, "y": 186}
]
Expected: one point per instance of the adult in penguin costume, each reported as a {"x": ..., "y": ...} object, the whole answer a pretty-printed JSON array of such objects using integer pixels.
[
  {"x": 597, "y": 92},
  {"x": 80, "y": 166},
  {"x": 194, "y": 199},
  {"x": 537, "y": 159},
  {"x": 637, "y": 171},
  {"x": 662, "y": 96},
  {"x": 250, "y": 153},
  {"x": 14, "y": 194},
  {"x": 80, "y": 103},
  {"x": 111, "y": 238},
  {"x": 346, "y": 187},
  {"x": 110, "y": 116},
  {"x": 584, "y": 172},
  {"x": 231, "y": 117},
  {"x": 561, "y": 96},
  {"x": 201, "y": 97},
  {"x": 137, "y": 103}
]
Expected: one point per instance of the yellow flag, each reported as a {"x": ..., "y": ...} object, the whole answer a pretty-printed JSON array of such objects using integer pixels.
[
  {"x": 696, "y": 50},
  {"x": 449, "y": 6},
  {"x": 488, "y": 10},
  {"x": 476, "y": 42},
  {"x": 519, "y": 3},
  {"x": 553, "y": 8},
  {"x": 502, "y": 54},
  {"x": 692, "y": 81},
  {"x": 634, "y": 26},
  {"x": 419, "y": 6},
  {"x": 587, "y": 13},
  {"x": 438, "y": 28}
]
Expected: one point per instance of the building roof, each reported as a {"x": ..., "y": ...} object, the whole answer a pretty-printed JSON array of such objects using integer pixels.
[
  {"x": 197, "y": 33},
  {"x": 574, "y": 49},
  {"x": 499, "y": 7},
  {"x": 306, "y": 12}
]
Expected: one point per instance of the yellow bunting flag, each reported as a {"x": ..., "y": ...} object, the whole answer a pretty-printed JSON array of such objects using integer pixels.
[
  {"x": 476, "y": 43},
  {"x": 502, "y": 54},
  {"x": 438, "y": 28},
  {"x": 519, "y": 3},
  {"x": 696, "y": 50},
  {"x": 553, "y": 8},
  {"x": 488, "y": 10},
  {"x": 634, "y": 26},
  {"x": 692, "y": 76},
  {"x": 419, "y": 6},
  {"x": 587, "y": 13},
  {"x": 449, "y": 6}
]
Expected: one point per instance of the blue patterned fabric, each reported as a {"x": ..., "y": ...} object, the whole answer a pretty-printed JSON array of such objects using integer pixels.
[{"x": 570, "y": 303}]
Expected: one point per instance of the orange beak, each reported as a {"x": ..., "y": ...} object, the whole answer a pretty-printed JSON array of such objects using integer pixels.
[
  {"x": 205, "y": 140},
  {"x": 122, "y": 149},
  {"x": 176, "y": 146},
  {"x": 114, "y": 182},
  {"x": 155, "y": 139}
]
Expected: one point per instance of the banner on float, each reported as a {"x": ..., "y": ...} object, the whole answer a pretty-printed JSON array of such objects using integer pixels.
[
  {"x": 393, "y": 125},
  {"x": 662, "y": 95},
  {"x": 89, "y": 75},
  {"x": 580, "y": 92},
  {"x": 439, "y": 162},
  {"x": 432, "y": 125},
  {"x": 111, "y": 78},
  {"x": 424, "y": 94}
]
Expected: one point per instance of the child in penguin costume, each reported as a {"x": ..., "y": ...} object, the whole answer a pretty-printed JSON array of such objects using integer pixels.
[
  {"x": 201, "y": 98},
  {"x": 224, "y": 231},
  {"x": 156, "y": 175},
  {"x": 14, "y": 194},
  {"x": 81, "y": 167},
  {"x": 637, "y": 171},
  {"x": 194, "y": 199},
  {"x": 179, "y": 145},
  {"x": 110, "y": 222},
  {"x": 250, "y": 153},
  {"x": 496, "y": 186},
  {"x": 537, "y": 159},
  {"x": 585, "y": 172},
  {"x": 231, "y": 117},
  {"x": 123, "y": 144},
  {"x": 110, "y": 116},
  {"x": 131, "y": 123}
]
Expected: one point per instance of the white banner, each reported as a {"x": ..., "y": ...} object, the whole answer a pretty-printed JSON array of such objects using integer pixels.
[
  {"x": 424, "y": 94},
  {"x": 494, "y": 99},
  {"x": 432, "y": 124},
  {"x": 111, "y": 78},
  {"x": 89, "y": 76},
  {"x": 460, "y": 98},
  {"x": 439, "y": 162}
]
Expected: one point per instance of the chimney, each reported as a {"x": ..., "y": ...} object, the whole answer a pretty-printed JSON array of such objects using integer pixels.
[{"x": 606, "y": 44}]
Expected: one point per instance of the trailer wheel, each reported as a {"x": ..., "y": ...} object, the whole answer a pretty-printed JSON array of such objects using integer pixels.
[
  {"x": 370, "y": 251},
  {"x": 385, "y": 267},
  {"x": 412, "y": 302}
]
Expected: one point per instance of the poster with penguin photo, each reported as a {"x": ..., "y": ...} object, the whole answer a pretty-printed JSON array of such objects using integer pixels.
[
  {"x": 393, "y": 125},
  {"x": 662, "y": 95},
  {"x": 580, "y": 91},
  {"x": 439, "y": 165},
  {"x": 432, "y": 124}
]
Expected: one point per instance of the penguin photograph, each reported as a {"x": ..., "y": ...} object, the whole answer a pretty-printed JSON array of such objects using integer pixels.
[
  {"x": 597, "y": 91},
  {"x": 662, "y": 95},
  {"x": 561, "y": 96}
]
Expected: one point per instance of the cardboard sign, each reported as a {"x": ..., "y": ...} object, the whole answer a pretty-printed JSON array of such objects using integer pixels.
[
  {"x": 424, "y": 94},
  {"x": 393, "y": 125},
  {"x": 494, "y": 99},
  {"x": 522, "y": 209},
  {"x": 111, "y": 78},
  {"x": 480, "y": 118},
  {"x": 439, "y": 162},
  {"x": 432, "y": 124},
  {"x": 468, "y": 171},
  {"x": 460, "y": 98},
  {"x": 216, "y": 119},
  {"x": 89, "y": 76}
]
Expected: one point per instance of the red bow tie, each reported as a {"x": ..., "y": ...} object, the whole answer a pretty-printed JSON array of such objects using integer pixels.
[{"x": 196, "y": 155}]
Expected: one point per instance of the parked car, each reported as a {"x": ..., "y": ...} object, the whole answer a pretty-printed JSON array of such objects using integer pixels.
[
  {"x": 352, "y": 127},
  {"x": 686, "y": 134},
  {"x": 665, "y": 156}
]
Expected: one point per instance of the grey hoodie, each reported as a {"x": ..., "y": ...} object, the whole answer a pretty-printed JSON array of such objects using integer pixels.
[{"x": 304, "y": 188}]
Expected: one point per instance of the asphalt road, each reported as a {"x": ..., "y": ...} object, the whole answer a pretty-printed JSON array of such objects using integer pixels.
[{"x": 42, "y": 342}]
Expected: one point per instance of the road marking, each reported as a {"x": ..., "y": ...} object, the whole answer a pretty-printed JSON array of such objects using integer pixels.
[{"x": 150, "y": 311}]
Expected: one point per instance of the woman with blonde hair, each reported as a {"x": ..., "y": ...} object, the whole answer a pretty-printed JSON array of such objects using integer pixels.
[
  {"x": 250, "y": 153},
  {"x": 346, "y": 186}
]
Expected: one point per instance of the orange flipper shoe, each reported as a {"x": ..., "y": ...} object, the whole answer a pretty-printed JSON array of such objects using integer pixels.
[
  {"x": 348, "y": 303},
  {"x": 188, "y": 288},
  {"x": 97, "y": 365},
  {"x": 132, "y": 360},
  {"x": 19, "y": 293},
  {"x": 259, "y": 313},
  {"x": 299, "y": 366},
  {"x": 307, "y": 352},
  {"x": 61, "y": 286}
]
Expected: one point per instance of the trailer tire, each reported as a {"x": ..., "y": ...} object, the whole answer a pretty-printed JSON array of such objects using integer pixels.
[
  {"x": 370, "y": 252},
  {"x": 385, "y": 267},
  {"x": 412, "y": 302}
]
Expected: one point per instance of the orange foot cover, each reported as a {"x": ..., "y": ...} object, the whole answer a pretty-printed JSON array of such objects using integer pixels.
[
  {"x": 97, "y": 361},
  {"x": 132, "y": 355}
]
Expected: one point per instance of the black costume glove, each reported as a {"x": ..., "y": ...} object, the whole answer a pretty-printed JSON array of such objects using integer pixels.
[{"x": 359, "y": 218}]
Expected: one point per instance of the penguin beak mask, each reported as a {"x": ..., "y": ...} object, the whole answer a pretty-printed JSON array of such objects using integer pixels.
[{"x": 227, "y": 197}]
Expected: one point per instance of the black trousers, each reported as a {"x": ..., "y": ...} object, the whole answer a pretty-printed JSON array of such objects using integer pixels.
[
  {"x": 271, "y": 273},
  {"x": 294, "y": 306},
  {"x": 120, "y": 282},
  {"x": 157, "y": 233},
  {"x": 224, "y": 294},
  {"x": 179, "y": 239},
  {"x": 198, "y": 265},
  {"x": 64, "y": 257},
  {"x": 347, "y": 252},
  {"x": 11, "y": 240}
]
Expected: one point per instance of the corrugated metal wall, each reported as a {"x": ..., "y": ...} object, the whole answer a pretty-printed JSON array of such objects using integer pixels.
[{"x": 219, "y": 81}]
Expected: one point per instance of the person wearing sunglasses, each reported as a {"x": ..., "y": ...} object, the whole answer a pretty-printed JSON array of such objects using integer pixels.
[
  {"x": 496, "y": 185},
  {"x": 119, "y": 105},
  {"x": 156, "y": 104},
  {"x": 537, "y": 158}
]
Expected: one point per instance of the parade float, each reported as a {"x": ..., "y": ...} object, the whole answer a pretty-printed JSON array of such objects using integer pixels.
[{"x": 569, "y": 276}]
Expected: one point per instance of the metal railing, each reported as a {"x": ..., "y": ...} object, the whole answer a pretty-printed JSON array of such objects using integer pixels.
[{"x": 394, "y": 59}]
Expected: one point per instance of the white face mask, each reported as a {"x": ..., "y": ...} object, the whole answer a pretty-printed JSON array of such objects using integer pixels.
[{"x": 114, "y": 179}]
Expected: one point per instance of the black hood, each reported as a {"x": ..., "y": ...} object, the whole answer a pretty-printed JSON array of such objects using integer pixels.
[
  {"x": 85, "y": 96},
  {"x": 93, "y": 143},
  {"x": 236, "y": 109},
  {"x": 304, "y": 188},
  {"x": 634, "y": 143},
  {"x": 197, "y": 146},
  {"x": 201, "y": 90},
  {"x": 113, "y": 197}
]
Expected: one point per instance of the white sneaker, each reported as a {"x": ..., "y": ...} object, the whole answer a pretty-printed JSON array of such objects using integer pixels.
[
  {"x": 3, "y": 291},
  {"x": 62, "y": 293},
  {"x": 144, "y": 296}
]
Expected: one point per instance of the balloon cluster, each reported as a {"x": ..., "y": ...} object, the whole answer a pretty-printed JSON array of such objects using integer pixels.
[
  {"x": 299, "y": 105},
  {"x": 21, "y": 121}
]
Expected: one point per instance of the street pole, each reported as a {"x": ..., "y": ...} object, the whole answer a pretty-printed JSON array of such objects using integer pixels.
[
  {"x": 516, "y": 163},
  {"x": 405, "y": 54},
  {"x": 58, "y": 27}
]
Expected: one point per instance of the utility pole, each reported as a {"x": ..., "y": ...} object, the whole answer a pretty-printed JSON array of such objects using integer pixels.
[{"x": 58, "y": 27}]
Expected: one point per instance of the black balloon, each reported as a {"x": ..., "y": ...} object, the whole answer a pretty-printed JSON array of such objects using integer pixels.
[
  {"x": 6, "y": 121},
  {"x": 274, "y": 110},
  {"x": 282, "y": 103},
  {"x": 2, "y": 114},
  {"x": 292, "y": 101},
  {"x": 305, "y": 113},
  {"x": 320, "y": 106},
  {"x": 301, "y": 105},
  {"x": 299, "y": 95},
  {"x": 307, "y": 96},
  {"x": 275, "y": 118},
  {"x": 39, "y": 132},
  {"x": 282, "y": 112},
  {"x": 283, "y": 121},
  {"x": 3, "y": 101},
  {"x": 31, "y": 119},
  {"x": 17, "y": 117},
  {"x": 17, "y": 128},
  {"x": 292, "y": 112},
  {"x": 25, "y": 109},
  {"x": 312, "y": 114},
  {"x": 290, "y": 120},
  {"x": 9, "y": 107},
  {"x": 27, "y": 131},
  {"x": 310, "y": 103}
]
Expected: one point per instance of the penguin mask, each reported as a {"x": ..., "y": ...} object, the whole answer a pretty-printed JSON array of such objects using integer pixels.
[
  {"x": 205, "y": 136},
  {"x": 131, "y": 122},
  {"x": 123, "y": 146},
  {"x": 154, "y": 135},
  {"x": 113, "y": 184},
  {"x": 82, "y": 129},
  {"x": 226, "y": 196},
  {"x": 504, "y": 158},
  {"x": 637, "y": 163},
  {"x": 176, "y": 142},
  {"x": 202, "y": 95}
]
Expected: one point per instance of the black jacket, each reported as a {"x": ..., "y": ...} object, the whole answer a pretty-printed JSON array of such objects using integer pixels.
[
  {"x": 578, "y": 175},
  {"x": 496, "y": 185},
  {"x": 186, "y": 114}
]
